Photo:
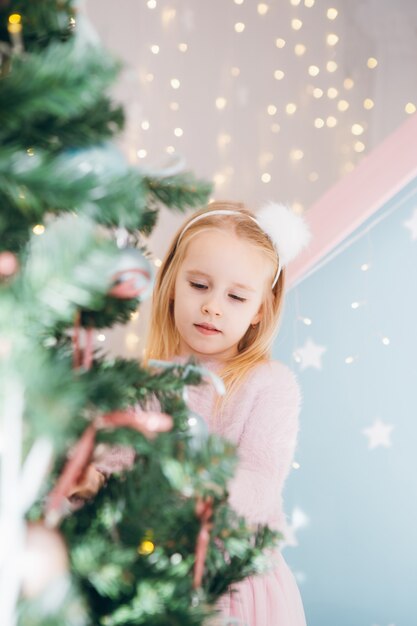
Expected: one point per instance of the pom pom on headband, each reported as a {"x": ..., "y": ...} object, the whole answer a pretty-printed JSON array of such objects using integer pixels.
[{"x": 287, "y": 230}]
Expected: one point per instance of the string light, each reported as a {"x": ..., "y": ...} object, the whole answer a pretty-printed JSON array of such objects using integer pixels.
[
  {"x": 279, "y": 74},
  {"x": 343, "y": 105},
  {"x": 101, "y": 337},
  {"x": 297, "y": 207},
  {"x": 386, "y": 341},
  {"x": 239, "y": 1},
  {"x": 39, "y": 229},
  {"x": 157, "y": 262},
  {"x": 239, "y": 27},
  {"x": 331, "y": 66},
  {"x": 296, "y": 465},
  {"x": 219, "y": 179},
  {"x": 355, "y": 305},
  {"x": 368, "y": 104},
  {"x": 349, "y": 360},
  {"x": 170, "y": 149},
  {"x": 174, "y": 106},
  {"x": 372, "y": 63},
  {"x": 306, "y": 320},
  {"x": 151, "y": 4},
  {"x": 178, "y": 132},
  {"x": 168, "y": 14},
  {"x": 263, "y": 8},
  {"x": 175, "y": 83},
  {"x": 235, "y": 71},
  {"x": 15, "y": 18},
  {"x": 331, "y": 121},
  {"x": 313, "y": 177},
  {"x": 146, "y": 547},
  {"x": 155, "y": 49},
  {"x": 182, "y": 47},
  {"x": 131, "y": 341},
  {"x": 348, "y": 83},
  {"x": 296, "y": 154},
  {"x": 296, "y": 24},
  {"x": 332, "y": 13},
  {"x": 280, "y": 43},
  {"x": 309, "y": 3},
  {"x": 317, "y": 92},
  {"x": 266, "y": 177},
  {"x": 149, "y": 77},
  {"x": 295, "y": 3},
  {"x": 410, "y": 108},
  {"x": 332, "y": 93},
  {"x": 357, "y": 129},
  {"x": 365, "y": 267},
  {"x": 290, "y": 108},
  {"x": 332, "y": 39},
  {"x": 145, "y": 125},
  {"x": 299, "y": 49},
  {"x": 30, "y": 152},
  {"x": 142, "y": 153},
  {"x": 223, "y": 140},
  {"x": 135, "y": 315},
  {"x": 319, "y": 122},
  {"x": 313, "y": 70},
  {"x": 348, "y": 167},
  {"x": 221, "y": 103},
  {"x": 272, "y": 109},
  {"x": 359, "y": 146},
  {"x": 275, "y": 128}
]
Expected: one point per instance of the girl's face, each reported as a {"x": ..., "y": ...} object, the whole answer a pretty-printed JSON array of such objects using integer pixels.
[{"x": 220, "y": 283}]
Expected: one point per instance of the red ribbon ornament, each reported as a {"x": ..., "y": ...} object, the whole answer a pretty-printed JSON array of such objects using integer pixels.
[{"x": 204, "y": 511}]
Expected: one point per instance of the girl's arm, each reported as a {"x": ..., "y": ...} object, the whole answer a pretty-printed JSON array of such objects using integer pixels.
[{"x": 267, "y": 444}]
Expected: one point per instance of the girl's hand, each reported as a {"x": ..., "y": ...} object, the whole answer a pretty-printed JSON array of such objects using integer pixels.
[{"x": 88, "y": 485}]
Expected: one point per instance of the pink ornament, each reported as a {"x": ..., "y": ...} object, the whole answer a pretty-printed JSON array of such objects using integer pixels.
[
  {"x": 130, "y": 284},
  {"x": 8, "y": 264}
]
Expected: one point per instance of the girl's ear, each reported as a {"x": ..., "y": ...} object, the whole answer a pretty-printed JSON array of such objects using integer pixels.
[{"x": 257, "y": 318}]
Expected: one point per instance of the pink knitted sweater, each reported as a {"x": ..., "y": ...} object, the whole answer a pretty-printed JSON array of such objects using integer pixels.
[{"x": 262, "y": 420}]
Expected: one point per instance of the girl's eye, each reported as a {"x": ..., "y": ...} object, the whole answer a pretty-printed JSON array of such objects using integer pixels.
[{"x": 200, "y": 287}]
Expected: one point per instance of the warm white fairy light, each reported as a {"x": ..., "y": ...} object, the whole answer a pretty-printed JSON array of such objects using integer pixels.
[
  {"x": 178, "y": 132},
  {"x": 131, "y": 341},
  {"x": 157, "y": 262},
  {"x": 223, "y": 140},
  {"x": 275, "y": 128},
  {"x": 170, "y": 149},
  {"x": 239, "y": 1},
  {"x": 348, "y": 167},
  {"x": 359, "y": 146},
  {"x": 296, "y": 465},
  {"x": 319, "y": 122},
  {"x": 280, "y": 42},
  {"x": 307, "y": 321},
  {"x": 349, "y": 360},
  {"x": 313, "y": 177},
  {"x": 155, "y": 49},
  {"x": 331, "y": 121},
  {"x": 365, "y": 267},
  {"x": 313, "y": 70},
  {"x": 296, "y": 154},
  {"x": 299, "y": 49},
  {"x": 151, "y": 4},
  {"x": 410, "y": 108},
  {"x": 290, "y": 108},
  {"x": 295, "y": 3},
  {"x": 168, "y": 14},
  {"x": 266, "y": 177},
  {"x": 332, "y": 93},
  {"x": 175, "y": 83},
  {"x": 263, "y": 8},
  {"x": 221, "y": 103},
  {"x": 149, "y": 77},
  {"x": 355, "y": 305},
  {"x": 309, "y": 3},
  {"x": 145, "y": 125},
  {"x": 343, "y": 105},
  {"x": 265, "y": 158},
  {"x": 357, "y": 129},
  {"x": 331, "y": 66},
  {"x": 219, "y": 179},
  {"x": 174, "y": 106},
  {"x": 332, "y": 39},
  {"x": 182, "y": 47},
  {"x": 235, "y": 71},
  {"x": 30, "y": 152},
  {"x": 135, "y": 314},
  {"x": 332, "y": 13},
  {"x": 39, "y": 229},
  {"x": 297, "y": 207},
  {"x": 272, "y": 109},
  {"x": 372, "y": 63},
  {"x": 142, "y": 153},
  {"x": 348, "y": 83},
  {"x": 368, "y": 104},
  {"x": 386, "y": 341},
  {"x": 317, "y": 92},
  {"x": 239, "y": 27},
  {"x": 279, "y": 74},
  {"x": 296, "y": 24},
  {"x": 101, "y": 337}
]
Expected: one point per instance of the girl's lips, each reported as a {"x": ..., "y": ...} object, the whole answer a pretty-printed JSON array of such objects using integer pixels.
[{"x": 206, "y": 331}]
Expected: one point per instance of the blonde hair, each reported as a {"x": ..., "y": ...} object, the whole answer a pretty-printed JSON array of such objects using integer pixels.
[{"x": 255, "y": 346}]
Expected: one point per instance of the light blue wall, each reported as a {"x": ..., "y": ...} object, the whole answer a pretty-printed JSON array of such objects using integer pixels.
[{"x": 356, "y": 558}]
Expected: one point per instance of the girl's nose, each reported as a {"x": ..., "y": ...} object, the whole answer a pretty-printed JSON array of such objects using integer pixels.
[{"x": 211, "y": 307}]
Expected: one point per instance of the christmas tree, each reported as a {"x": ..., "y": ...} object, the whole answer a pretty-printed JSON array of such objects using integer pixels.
[{"x": 155, "y": 542}]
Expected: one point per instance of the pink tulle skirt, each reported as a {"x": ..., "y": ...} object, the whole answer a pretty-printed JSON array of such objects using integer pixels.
[{"x": 271, "y": 599}]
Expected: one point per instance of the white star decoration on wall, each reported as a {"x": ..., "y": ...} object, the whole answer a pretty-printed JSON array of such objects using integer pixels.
[
  {"x": 299, "y": 519},
  {"x": 379, "y": 434},
  {"x": 411, "y": 224},
  {"x": 309, "y": 355}
]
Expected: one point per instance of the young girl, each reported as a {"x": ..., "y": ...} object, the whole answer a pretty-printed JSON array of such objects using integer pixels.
[{"x": 218, "y": 297}]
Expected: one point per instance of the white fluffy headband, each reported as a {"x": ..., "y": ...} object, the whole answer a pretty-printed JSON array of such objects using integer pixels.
[{"x": 287, "y": 230}]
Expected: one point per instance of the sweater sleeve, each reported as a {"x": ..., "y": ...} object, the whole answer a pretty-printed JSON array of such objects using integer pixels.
[{"x": 266, "y": 446}]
